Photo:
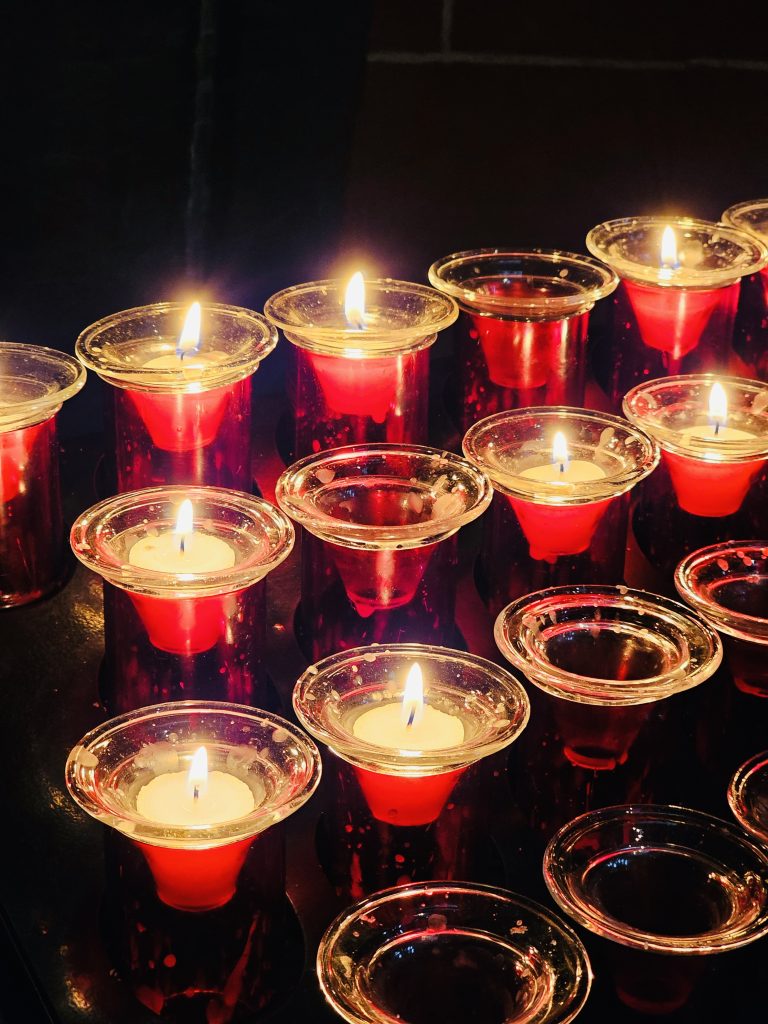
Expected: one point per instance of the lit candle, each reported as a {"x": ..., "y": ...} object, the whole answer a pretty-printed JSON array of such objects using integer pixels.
[
  {"x": 562, "y": 469},
  {"x": 183, "y": 549},
  {"x": 183, "y": 625},
  {"x": 195, "y": 797},
  {"x": 187, "y": 356},
  {"x": 410, "y": 724},
  {"x": 669, "y": 261},
  {"x": 716, "y": 430}
]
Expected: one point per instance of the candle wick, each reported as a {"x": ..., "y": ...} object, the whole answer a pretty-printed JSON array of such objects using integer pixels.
[
  {"x": 181, "y": 544},
  {"x": 562, "y": 467},
  {"x": 411, "y": 716},
  {"x": 196, "y": 793},
  {"x": 717, "y": 427}
]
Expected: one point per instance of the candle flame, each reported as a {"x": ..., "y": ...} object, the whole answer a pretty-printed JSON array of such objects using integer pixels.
[
  {"x": 668, "y": 248},
  {"x": 189, "y": 339},
  {"x": 184, "y": 523},
  {"x": 718, "y": 405},
  {"x": 354, "y": 302},
  {"x": 197, "y": 777},
  {"x": 413, "y": 697},
  {"x": 560, "y": 450}
]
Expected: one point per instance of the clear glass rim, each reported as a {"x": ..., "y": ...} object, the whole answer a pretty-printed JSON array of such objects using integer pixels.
[
  {"x": 736, "y": 216},
  {"x": 90, "y": 547},
  {"x": 574, "y": 980},
  {"x": 402, "y": 763},
  {"x": 137, "y": 827},
  {"x": 670, "y": 440},
  {"x": 754, "y": 254},
  {"x": 512, "y": 628},
  {"x": 438, "y": 312},
  {"x": 171, "y": 381},
  {"x": 445, "y": 275},
  {"x": 738, "y": 788},
  {"x": 372, "y": 536},
  {"x": 475, "y": 446},
  {"x": 60, "y": 371},
  {"x": 564, "y": 882},
  {"x": 737, "y": 624}
]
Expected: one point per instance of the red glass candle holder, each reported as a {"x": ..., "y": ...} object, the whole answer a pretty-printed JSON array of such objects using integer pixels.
[
  {"x": 674, "y": 312},
  {"x": 452, "y": 952},
  {"x": 751, "y": 332},
  {"x": 727, "y": 584},
  {"x": 522, "y": 334},
  {"x": 34, "y": 383},
  {"x": 178, "y": 419},
  {"x": 748, "y": 796},
  {"x": 605, "y": 655},
  {"x": 708, "y": 487},
  {"x": 237, "y": 959},
  {"x": 170, "y": 633},
  {"x": 569, "y": 527},
  {"x": 403, "y": 786},
  {"x": 353, "y": 385},
  {"x": 378, "y": 556},
  {"x": 665, "y": 887},
  {"x": 196, "y": 865}
]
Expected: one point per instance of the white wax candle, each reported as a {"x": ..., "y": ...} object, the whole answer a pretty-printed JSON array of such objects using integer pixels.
[
  {"x": 573, "y": 471},
  {"x": 200, "y": 553},
  {"x": 167, "y": 800},
  {"x": 189, "y": 363},
  {"x": 384, "y": 727},
  {"x": 707, "y": 432}
]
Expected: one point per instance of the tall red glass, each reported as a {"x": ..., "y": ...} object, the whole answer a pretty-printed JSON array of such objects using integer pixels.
[
  {"x": 674, "y": 312},
  {"x": 751, "y": 333},
  {"x": 354, "y": 384},
  {"x": 34, "y": 383},
  {"x": 551, "y": 526},
  {"x": 172, "y": 416},
  {"x": 522, "y": 333}
]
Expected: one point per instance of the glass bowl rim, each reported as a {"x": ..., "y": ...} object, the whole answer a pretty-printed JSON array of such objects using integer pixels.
[
  {"x": 346, "y": 920},
  {"x": 740, "y": 625},
  {"x": 731, "y": 217},
  {"x": 233, "y": 369},
  {"x": 755, "y": 251},
  {"x": 611, "y": 928},
  {"x": 202, "y": 836},
  {"x": 371, "y": 535},
  {"x": 548, "y": 307},
  {"x": 86, "y": 529},
  {"x": 736, "y": 787},
  {"x": 586, "y": 492},
  {"x": 372, "y": 757},
  {"x": 35, "y": 410},
  {"x": 567, "y": 685}
]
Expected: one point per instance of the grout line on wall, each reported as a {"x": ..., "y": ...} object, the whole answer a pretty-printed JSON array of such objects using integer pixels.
[{"x": 547, "y": 61}]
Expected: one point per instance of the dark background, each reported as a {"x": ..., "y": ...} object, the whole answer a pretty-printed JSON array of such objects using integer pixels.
[{"x": 232, "y": 147}]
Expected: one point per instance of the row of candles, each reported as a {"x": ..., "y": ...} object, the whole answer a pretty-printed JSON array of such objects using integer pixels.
[{"x": 184, "y": 561}]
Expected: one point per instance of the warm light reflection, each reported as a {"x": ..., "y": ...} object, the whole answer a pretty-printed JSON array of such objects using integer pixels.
[
  {"x": 197, "y": 777},
  {"x": 668, "y": 249},
  {"x": 189, "y": 339},
  {"x": 354, "y": 302},
  {"x": 413, "y": 697},
  {"x": 560, "y": 450},
  {"x": 718, "y": 406}
]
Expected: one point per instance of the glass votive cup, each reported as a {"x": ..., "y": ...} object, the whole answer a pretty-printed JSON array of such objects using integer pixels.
[
  {"x": 178, "y": 419},
  {"x": 727, "y": 584},
  {"x": 482, "y": 709},
  {"x": 708, "y": 485},
  {"x": 674, "y": 311},
  {"x": 664, "y": 887},
  {"x": 555, "y": 527},
  {"x": 605, "y": 655},
  {"x": 34, "y": 384},
  {"x": 452, "y": 952},
  {"x": 354, "y": 384},
  {"x": 751, "y": 332},
  {"x": 195, "y": 865},
  {"x": 522, "y": 333},
  {"x": 170, "y": 632},
  {"x": 748, "y": 796},
  {"x": 378, "y": 553}
]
